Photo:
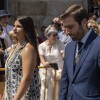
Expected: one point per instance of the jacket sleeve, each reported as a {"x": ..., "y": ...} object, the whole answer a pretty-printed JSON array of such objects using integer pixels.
[
  {"x": 64, "y": 84},
  {"x": 99, "y": 59}
]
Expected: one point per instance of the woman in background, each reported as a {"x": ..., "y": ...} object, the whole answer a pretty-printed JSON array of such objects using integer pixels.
[
  {"x": 93, "y": 24},
  {"x": 50, "y": 51}
]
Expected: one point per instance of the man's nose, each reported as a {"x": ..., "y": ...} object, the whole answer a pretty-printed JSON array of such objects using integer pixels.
[{"x": 66, "y": 31}]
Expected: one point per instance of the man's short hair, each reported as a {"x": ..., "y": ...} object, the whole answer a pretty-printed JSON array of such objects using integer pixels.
[{"x": 77, "y": 11}]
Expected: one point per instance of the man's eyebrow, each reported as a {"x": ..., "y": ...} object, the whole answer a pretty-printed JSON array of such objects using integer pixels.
[{"x": 67, "y": 25}]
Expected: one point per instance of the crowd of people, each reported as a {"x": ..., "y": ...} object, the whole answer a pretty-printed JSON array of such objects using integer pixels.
[{"x": 62, "y": 63}]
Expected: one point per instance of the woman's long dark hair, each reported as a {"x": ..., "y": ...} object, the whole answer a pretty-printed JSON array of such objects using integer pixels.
[{"x": 28, "y": 26}]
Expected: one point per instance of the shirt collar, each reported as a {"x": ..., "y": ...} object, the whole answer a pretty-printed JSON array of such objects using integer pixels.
[{"x": 84, "y": 39}]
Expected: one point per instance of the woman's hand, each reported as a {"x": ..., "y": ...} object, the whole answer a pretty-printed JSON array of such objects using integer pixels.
[{"x": 46, "y": 64}]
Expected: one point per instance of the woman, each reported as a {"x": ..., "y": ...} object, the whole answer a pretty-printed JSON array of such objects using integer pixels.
[
  {"x": 93, "y": 24},
  {"x": 12, "y": 37},
  {"x": 14, "y": 42},
  {"x": 21, "y": 65},
  {"x": 3, "y": 46},
  {"x": 50, "y": 51}
]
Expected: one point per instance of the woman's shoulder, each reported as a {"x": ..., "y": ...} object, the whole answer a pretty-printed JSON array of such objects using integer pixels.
[
  {"x": 28, "y": 49},
  {"x": 43, "y": 44}
]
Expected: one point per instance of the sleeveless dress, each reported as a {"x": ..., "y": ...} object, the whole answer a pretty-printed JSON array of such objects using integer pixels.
[{"x": 13, "y": 75}]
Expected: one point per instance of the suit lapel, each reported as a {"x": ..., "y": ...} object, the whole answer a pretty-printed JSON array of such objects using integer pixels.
[
  {"x": 72, "y": 54},
  {"x": 85, "y": 51},
  {"x": 81, "y": 59}
]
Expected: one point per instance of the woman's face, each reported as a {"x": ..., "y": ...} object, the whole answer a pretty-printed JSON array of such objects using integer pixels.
[
  {"x": 52, "y": 37},
  {"x": 18, "y": 30},
  {"x": 4, "y": 20},
  {"x": 14, "y": 39}
]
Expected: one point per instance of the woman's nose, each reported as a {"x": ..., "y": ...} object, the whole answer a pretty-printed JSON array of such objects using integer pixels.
[{"x": 14, "y": 28}]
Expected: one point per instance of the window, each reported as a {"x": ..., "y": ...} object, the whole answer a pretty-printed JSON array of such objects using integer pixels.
[{"x": 2, "y": 4}]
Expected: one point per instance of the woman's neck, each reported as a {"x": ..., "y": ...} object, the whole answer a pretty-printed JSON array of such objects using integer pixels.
[
  {"x": 21, "y": 43},
  {"x": 50, "y": 43}
]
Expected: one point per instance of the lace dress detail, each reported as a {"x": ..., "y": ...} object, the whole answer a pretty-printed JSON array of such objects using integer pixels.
[{"x": 13, "y": 76}]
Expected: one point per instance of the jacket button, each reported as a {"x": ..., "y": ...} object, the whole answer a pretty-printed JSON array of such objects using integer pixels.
[
  {"x": 73, "y": 84},
  {"x": 69, "y": 98}
]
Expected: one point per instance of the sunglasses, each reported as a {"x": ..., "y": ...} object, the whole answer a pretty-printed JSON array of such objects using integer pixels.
[{"x": 54, "y": 35}]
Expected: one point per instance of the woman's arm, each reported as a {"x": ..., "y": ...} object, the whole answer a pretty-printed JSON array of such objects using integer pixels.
[
  {"x": 3, "y": 96},
  {"x": 43, "y": 61},
  {"x": 42, "y": 55},
  {"x": 28, "y": 64}
]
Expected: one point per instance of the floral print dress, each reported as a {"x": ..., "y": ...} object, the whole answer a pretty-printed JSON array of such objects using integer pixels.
[{"x": 13, "y": 75}]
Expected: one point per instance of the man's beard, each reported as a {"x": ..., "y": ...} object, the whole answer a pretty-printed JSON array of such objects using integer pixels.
[{"x": 80, "y": 34}]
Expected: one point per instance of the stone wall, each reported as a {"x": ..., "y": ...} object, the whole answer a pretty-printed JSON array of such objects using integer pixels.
[{"x": 42, "y": 11}]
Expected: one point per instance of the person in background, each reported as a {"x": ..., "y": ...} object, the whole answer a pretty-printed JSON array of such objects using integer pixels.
[
  {"x": 81, "y": 71},
  {"x": 61, "y": 34},
  {"x": 13, "y": 38},
  {"x": 3, "y": 46},
  {"x": 92, "y": 16},
  {"x": 98, "y": 27},
  {"x": 56, "y": 23},
  {"x": 93, "y": 24},
  {"x": 64, "y": 38},
  {"x": 14, "y": 42},
  {"x": 21, "y": 74},
  {"x": 50, "y": 51},
  {"x": 4, "y": 20},
  {"x": 42, "y": 37}
]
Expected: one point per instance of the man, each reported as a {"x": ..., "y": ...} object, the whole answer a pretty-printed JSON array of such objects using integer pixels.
[
  {"x": 4, "y": 19},
  {"x": 61, "y": 34},
  {"x": 81, "y": 72},
  {"x": 64, "y": 37}
]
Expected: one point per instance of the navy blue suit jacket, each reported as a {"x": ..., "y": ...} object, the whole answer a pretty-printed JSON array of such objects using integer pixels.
[{"x": 84, "y": 82}]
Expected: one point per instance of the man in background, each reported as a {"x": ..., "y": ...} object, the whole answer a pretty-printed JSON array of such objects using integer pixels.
[{"x": 4, "y": 20}]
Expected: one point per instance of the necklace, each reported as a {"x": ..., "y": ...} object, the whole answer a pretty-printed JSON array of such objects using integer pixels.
[
  {"x": 11, "y": 53},
  {"x": 79, "y": 51},
  {"x": 14, "y": 51}
]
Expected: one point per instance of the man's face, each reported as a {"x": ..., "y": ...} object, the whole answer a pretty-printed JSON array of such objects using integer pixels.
[
  {"x": 72, "y": 28},
  {"x": 4, "y": 21}
]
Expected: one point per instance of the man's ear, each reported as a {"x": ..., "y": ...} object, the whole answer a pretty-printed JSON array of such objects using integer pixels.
[{"x": 84, "y": 22}]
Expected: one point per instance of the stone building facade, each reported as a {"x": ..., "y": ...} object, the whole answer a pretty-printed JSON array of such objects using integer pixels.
[{"x": 42, "y": 11}]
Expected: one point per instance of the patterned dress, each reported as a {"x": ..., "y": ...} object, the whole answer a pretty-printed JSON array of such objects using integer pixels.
[{"x": 13, "y": 77}]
